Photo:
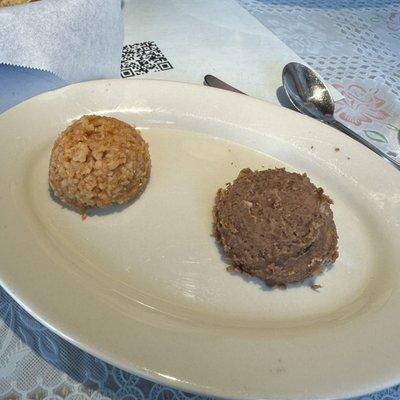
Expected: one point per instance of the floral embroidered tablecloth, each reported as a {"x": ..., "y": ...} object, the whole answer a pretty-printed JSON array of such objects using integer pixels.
[{"x": 354, "y": 44}]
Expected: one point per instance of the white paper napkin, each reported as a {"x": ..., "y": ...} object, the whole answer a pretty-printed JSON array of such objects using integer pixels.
[
  {"x": 221, "y": 38},
  {"x": 76, "y": 40}
]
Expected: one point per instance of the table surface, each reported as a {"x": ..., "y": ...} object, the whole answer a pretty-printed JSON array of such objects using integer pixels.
[{"x": 354, "y": 44}]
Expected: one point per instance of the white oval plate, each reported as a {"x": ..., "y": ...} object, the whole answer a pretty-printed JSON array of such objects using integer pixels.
[{"x": 145, "y": 286}]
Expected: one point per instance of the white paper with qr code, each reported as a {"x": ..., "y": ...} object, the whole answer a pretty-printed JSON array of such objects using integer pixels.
[
  {"x": 74, "y": 39},
  {"x": 187, "y": 39}
]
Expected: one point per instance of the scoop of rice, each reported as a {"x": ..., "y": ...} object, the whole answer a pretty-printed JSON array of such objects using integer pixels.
[
  {"x": 6, "y": 3},
  {"x": 98, "y": 161}
]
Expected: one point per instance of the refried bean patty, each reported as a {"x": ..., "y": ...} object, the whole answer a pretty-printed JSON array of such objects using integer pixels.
[{"x": 275, "y": 225}]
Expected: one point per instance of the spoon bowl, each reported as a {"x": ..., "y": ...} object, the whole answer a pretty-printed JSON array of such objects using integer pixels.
[
  {"x": 307, "y": 92},
  {"x": 309, "y": 95}
]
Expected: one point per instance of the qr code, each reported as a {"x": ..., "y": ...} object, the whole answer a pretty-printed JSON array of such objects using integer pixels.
[{"x": 142, "y": 58}]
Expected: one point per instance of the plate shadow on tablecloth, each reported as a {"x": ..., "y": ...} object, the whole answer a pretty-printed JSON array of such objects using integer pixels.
[
  {"x": 90, "y": 372},
  {"x": 283, "y": 98},
  {"x": 333, "y": 5}
]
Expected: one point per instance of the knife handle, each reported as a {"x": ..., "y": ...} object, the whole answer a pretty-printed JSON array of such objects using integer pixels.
[{"x": 211, "y": 80}]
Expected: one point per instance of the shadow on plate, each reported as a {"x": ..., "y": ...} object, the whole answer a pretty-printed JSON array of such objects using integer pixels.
[{"x": 117, "y": 208}]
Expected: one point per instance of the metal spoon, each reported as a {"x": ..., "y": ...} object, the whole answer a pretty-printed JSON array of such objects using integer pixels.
[{"x": 311, "y": 97}]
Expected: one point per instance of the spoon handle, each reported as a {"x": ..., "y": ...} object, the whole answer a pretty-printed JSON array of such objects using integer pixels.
[{"x": 352, "y": 134}]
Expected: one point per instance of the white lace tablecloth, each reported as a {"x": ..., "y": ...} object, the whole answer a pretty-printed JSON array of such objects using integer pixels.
[{"x": 355, "y": 45}]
